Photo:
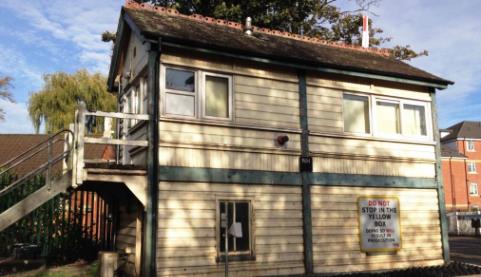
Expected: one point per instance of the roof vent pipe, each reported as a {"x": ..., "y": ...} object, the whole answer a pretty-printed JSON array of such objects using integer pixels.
[{"x": 248, "y": 26}]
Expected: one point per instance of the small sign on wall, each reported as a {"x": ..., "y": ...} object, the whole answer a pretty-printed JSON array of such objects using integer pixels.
[{"x": 379, "y": 223}]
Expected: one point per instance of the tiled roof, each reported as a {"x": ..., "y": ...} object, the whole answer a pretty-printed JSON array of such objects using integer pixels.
[
  {"x": 447, "y": 151},
  {"x": 12, "y": 145},
  {"x": 210, "y": 33},
  {"x": 464, "y": 129}
]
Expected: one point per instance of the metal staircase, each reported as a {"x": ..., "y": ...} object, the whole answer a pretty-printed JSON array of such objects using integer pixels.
[
  {"x": 55, "y": 170},
  {"x": 64, "y": 170}
]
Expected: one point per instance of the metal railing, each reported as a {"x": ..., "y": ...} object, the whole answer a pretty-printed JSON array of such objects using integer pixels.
[{"x": 64, "y": 135}]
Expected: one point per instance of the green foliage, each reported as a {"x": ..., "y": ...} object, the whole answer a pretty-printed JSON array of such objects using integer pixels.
[
  {"x": 5, "y": 93},
  {"x": 317, "y": 18},
  {"x": 54, "y": 105}
]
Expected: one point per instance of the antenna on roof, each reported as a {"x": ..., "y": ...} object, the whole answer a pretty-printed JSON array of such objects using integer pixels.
[
  {"x": 248, "y": 26},
  {"x": 365, "y": 32}
]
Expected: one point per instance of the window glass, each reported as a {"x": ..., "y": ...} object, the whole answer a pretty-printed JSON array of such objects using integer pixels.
[
  {"x": 414, "y": 120},
  {"x": 138, "y": 100},
  {"x": 473, "y": 189},
  {"x": 216, "y": 96},
  {"x": 387, "y": 115},
  {"x": 236, "y": 211},
  {"x": 145, "y": 100},
  {"x": 471, "y": 167},
  {"x": 470, "y": 145},
  {"x": 177, "y": 79},
  {"x": 356, "y": 114},
  {"x": 179, "y": 104}
]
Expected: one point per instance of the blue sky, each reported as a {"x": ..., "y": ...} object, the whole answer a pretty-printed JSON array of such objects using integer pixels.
[{"x": 39, "y": 37}]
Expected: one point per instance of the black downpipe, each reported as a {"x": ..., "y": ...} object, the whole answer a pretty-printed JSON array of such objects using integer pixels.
[{"x": 149, "y": 239}]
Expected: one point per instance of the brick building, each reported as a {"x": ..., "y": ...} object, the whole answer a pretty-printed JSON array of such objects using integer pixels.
[{"x": 461, "y": 165}]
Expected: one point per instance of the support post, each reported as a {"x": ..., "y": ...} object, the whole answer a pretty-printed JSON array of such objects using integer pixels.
[
  {"x": 439, "y": 180},
  {"x": 149, "y": 245},
  {"x": 306, "y": 186}
]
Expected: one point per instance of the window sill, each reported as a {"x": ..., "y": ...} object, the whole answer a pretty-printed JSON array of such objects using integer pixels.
[{"x": 236, "y": 258}]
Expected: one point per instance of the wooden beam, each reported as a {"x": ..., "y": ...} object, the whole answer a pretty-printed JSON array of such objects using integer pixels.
[
  {"x": 261, "y": 177},
  {"x": 119, "y": 115},
  {"x": 116, "y": 141},
  {"x": 439, "y": 180}
]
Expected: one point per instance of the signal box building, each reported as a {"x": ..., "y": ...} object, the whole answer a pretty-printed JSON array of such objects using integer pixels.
[{"x": 325, "y": 155}]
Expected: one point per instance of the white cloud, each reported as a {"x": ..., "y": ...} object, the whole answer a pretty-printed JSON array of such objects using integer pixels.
[
  {"x": 16, "y": 119},
  {"x": 78, "y": 22},
  {"x": 14, "y": 63}
]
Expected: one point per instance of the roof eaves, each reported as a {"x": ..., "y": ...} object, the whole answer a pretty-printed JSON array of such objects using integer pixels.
[{"x": 326, "y": 68}]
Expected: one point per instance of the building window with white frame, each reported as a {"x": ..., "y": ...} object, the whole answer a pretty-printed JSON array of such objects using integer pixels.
[
  {"x": 473, "y": 189},
  {"x": 472, "y": 167},
  {"x": 414, "y": 120},
  {"x": 470, "y": 145},
  {"x": 356, "y": 114},
  {"x": 388, "y": 117},
  {"x": 230, "y": 212},
  {"x": 186, "y": 91},
  {"x": 216, "y": 96}
]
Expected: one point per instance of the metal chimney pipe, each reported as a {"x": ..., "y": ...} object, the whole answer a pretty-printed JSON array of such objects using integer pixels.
[{"x": 248, "y": 26}]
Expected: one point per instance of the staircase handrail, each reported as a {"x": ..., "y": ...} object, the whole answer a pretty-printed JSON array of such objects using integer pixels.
[
  {"x": 13, "y": 162},
  {"x": 38, "y": 170}
]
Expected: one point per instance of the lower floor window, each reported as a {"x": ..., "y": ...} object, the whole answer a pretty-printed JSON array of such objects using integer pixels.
[
  {"x": 473, "y": 189},
  {"x": 236, "y": 217}
]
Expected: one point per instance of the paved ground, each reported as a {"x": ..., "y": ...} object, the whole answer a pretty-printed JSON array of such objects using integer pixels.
[{"x": 466, "y": 249}]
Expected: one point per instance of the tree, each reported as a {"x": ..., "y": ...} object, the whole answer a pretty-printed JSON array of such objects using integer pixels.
[
  {"x": 318, "y": 18},
  {"x": 5, "y": 93},
  {"x": 55, "y": 103}
]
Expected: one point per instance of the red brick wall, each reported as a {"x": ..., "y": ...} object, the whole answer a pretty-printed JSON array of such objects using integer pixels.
[{"x": 457, "y": 178}]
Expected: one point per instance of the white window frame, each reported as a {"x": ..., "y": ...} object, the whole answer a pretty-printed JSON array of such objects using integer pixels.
[
  {"x": 229, "y": 198},
  {"x": 370, "y": 114},
  {"x": 374, "y": 131},
  {"x": 198, "y": 94},
  {"x": 469, "y": 167},
  {"x": 473, "y": 185},
  {"x": 164, "y": 91},
  {"x": 143, "y": 87},
  {"x": 468, "y": 143},
  {"x": 202, "y": 101}
]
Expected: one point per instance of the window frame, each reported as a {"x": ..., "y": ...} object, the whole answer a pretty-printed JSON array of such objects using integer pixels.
[
  {"x": 374, "y": 128},
  {"x": 470, "y": 142},
  {"x": 472, "y": 184},
  {"x": 469, "y": 167},
  {"x": 198, "y": 93},
  {"x": 249, "y": 254},
  {"x": 370, "y": 114},
  {"x": 164, "y": 91},
  {"x": 202, "y": 102}
]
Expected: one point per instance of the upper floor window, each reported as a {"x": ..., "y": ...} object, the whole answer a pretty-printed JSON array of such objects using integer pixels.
[
  {"x": 473, "y": 189},
  {"x": 356, "y": 114},
  {"x": 196, "y": 94},
  {"x": 391, "y": 117},
  {"x": 471, "y": 167},
  {"x": 470, "y": 145}
]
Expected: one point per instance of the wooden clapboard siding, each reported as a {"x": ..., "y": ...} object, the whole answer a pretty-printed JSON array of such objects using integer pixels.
[
  {"x": 369, "y": 86},
  {"x": 134, "y": 65},
  {"x": 187, "y": 229},
  {"x": 369, "y": 167},
  {"x": 324, "y": 109},
  {"x": 126, "y": 235},
  {"x": 265, "y": 102},
  {"x": 233, "y": 159},
  {"x": 370, "y": 148},
  {"x": 336, "y": 230}
]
